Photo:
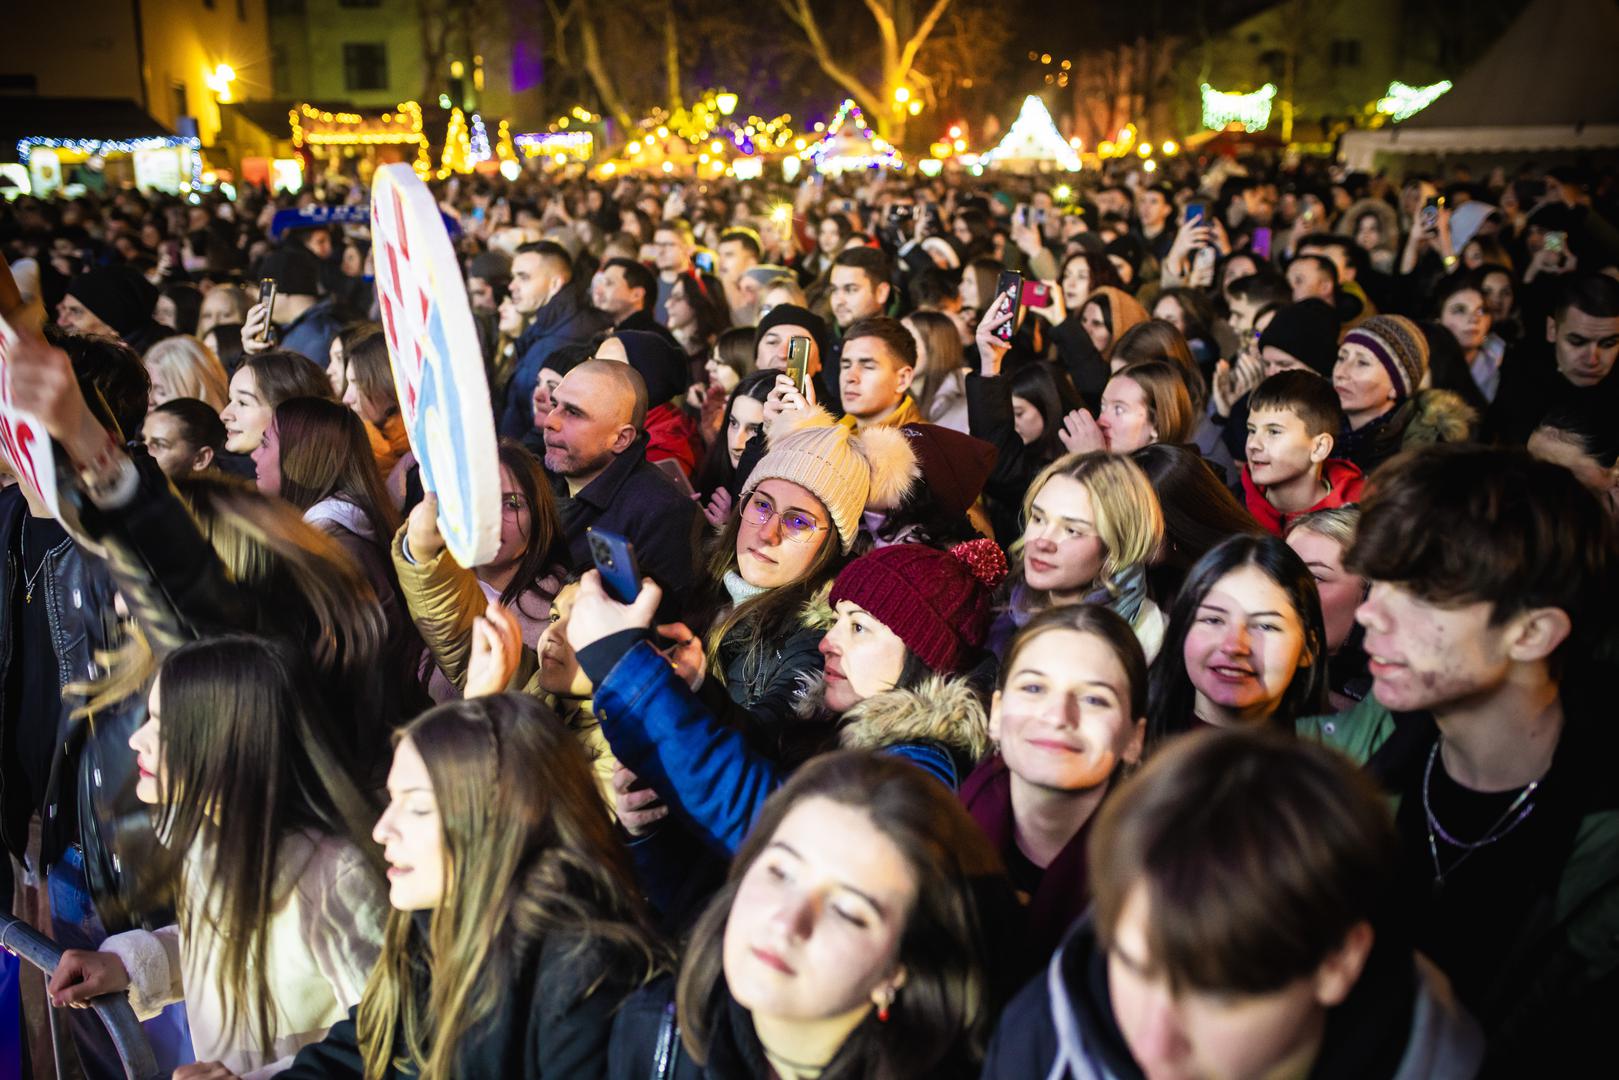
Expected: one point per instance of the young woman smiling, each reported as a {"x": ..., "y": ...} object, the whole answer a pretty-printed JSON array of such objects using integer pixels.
[
  {"x": 1092, "y": 524},
  {"x": 1068, "y": 718},
  {"x": 1246, "y": 644},
  {"x": 856, "y": 937},
  {"x": 515, "y": 933}
]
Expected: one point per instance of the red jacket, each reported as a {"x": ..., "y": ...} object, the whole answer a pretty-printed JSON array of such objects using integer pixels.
[
  {"x": 1344, "y": 477},
  {"x": 670, "y": 434}
]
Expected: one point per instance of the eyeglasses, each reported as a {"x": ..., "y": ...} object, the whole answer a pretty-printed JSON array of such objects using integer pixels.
[{"x": 796, "y": 525}]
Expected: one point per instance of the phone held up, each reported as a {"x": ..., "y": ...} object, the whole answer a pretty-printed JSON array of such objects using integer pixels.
[
  {"x": 614, "y": 557},
  {"x": 267, "y": 298},
  {"x": 798, "y": 352},
  {"x": 1011, "y": 286}
]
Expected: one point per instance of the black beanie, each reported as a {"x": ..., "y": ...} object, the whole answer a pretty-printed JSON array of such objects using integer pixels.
[
  {"x": 661, "y": 364},
  {"x": 1308, "y": 332},
  {"x": 295, "y": 269},
  {"x": 117, "y": 295},
  {"x": 793, "y": 315}
]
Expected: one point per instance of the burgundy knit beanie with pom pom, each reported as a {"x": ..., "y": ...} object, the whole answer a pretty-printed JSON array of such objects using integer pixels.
[{"x": 936, "y": 602}]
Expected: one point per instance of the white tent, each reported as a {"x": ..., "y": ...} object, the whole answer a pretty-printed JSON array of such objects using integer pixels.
[{"x": 1550, "y": 83}]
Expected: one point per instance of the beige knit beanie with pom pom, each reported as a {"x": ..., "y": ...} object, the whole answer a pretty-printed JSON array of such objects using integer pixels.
[{"x": 849, "y": 473}]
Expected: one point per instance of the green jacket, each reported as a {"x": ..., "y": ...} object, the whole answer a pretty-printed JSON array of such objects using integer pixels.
[{"x": 1569, "y": 944}]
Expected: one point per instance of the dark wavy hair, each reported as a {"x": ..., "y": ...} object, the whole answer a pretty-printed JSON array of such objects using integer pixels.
[
  {"x": 1170, "y": 695},
  {"x": 953, "y": 947},
  {"x": 1051, "y": 392},
  {"x": 547, "y": 542},
  {"x": 1199, "y": 512},
  {"x": 716, "y": 471}
]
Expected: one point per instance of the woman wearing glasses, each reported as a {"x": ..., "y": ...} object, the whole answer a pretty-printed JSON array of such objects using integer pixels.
[{"x": 773, "y": 564}]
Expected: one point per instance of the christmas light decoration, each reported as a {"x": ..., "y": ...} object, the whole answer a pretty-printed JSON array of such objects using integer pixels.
[
  {"x": 572, "y": 145},
  {"x": 1034, "y": 137},
  {"x": 401, "y": 127},
  {"x": 837, "y": 151},
  {"x": 504, "y": 148},
  {"x": 1250, "y": 111},
  {"x": 1404, "y": 101},
  {"x": 90, "y": 148},
  {"x": 479, "y": 140}
]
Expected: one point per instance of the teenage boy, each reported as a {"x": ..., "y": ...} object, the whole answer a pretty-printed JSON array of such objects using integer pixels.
[
  {"x": 1293, "y": 423},
  {"x": 875, "y": 371},
  {"x": 1489, "y": 617},
  {"x": 1240, "y": 929}
]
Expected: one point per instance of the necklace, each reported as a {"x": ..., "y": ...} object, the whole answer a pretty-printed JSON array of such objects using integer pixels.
[
  {"x": 1519, "y": 810},
  {"x": 28, "y": 579}
]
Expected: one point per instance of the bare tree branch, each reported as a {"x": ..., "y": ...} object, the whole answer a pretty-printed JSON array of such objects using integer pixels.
[
  {"x": 799, "y": 11},
  {"x": 908, "y": 57}
]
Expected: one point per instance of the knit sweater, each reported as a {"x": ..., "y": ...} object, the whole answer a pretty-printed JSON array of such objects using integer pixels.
[{"x": 324, "y": 937}]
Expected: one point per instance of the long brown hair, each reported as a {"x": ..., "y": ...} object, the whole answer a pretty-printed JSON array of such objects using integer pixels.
[
  {"x": 529, "y": 851},
  {"x": 547, "y": 544},
  {"x": 325, "y": 454},
  {"x": 1169, "y": 405},
  {"x": 250, "y": 761},
  {"x": 940, "y": 354},
  {"x": 367, "y": 354},
  {"x": 280, "y": 375},
  {"x": 955, "y": 970}
]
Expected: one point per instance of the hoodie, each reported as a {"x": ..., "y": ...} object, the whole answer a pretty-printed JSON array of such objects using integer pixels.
[
  {"x": 1344, "y": 479},
  {"x": 1399, "y": 1022}
]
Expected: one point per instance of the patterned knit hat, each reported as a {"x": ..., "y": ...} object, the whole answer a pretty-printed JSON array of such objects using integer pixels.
[
  {"x": 936, "y": 602},
  {"x": 1399, "y": 346},
  {"x": 847, "y": 472}
]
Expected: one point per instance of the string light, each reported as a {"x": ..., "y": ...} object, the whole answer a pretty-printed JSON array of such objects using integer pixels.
[
  {"x": 828, "y": 159},
  {"x": 401, "y": 127},
  {"x": 480, "y": 140},
  {"x": 568, "y": 145},
  {"x": 1034, "y": 136},
  {"x": 457, "y": 156},
  {"x": 1403, "y": 100},
  {"x": 102, "y": 147},
  {"x": 1250, "y": 111}
]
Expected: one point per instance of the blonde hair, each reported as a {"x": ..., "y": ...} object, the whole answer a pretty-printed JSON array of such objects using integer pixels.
[
  {"x": 191, "y": 370},
  {"x": 1128, "y": 519}
]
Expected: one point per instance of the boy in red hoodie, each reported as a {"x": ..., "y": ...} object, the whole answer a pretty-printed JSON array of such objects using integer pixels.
[{"x": 1293, "y": 421}]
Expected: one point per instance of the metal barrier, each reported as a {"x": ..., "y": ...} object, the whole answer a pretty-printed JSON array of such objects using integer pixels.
[{"x": 22, "y": 940}]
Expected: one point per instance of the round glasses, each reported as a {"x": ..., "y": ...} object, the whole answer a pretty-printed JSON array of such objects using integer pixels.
[{"x": 796, "y": 525}]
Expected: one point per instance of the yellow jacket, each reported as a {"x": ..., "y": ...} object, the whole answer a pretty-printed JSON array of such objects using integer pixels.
[{"x": 907, "y": 413}]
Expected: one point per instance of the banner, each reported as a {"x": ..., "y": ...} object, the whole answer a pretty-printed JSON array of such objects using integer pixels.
[
  {"x": 437, "y": 362},
  {"x": 24, "y": 444}
]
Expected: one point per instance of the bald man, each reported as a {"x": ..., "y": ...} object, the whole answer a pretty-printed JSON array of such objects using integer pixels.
[{"x": 595, "y": 452}]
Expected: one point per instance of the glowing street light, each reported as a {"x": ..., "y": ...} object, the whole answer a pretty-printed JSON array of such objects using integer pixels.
[
  {"x": 1171, "y": 148},
  {"x": 915, "y": 108},
  {"x": 902, "y": 94},
  {"x": 219, "y": 80},
  {"x": 726, "y": 102}
]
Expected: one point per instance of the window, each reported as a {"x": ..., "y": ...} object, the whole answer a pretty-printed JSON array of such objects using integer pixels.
[
  {"x": 1346, "y": 52},
  {"x": 365, "y": 65},
  {"x": 1274, "y": 61},
  {"x": 177, "y": 93}
]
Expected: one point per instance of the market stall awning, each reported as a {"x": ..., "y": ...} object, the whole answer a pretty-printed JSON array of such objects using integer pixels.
[{"x": 77, "y": 119}]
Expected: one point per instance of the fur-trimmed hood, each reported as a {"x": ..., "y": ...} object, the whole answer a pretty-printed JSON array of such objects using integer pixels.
[
  {"x": 1439, "y": 416},
  {"x": 943, "y": 709}
]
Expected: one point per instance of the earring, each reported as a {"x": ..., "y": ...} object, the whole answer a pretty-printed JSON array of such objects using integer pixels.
[{"x": 882, "y": 1009}]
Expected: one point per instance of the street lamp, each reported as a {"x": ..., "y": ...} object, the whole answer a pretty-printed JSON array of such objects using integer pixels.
[
  {"x": 219, "y": 80},
  {"x": 726, "y": 101}
]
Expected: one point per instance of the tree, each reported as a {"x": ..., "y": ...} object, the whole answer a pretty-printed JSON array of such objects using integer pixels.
[{"x": 900, "y": 37}]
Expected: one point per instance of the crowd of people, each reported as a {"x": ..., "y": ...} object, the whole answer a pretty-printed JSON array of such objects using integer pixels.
[{"x": 1183, "y": 658}]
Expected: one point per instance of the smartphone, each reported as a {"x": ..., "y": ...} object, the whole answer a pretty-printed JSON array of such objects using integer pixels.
[
  {"x": 1011, "y": 284},
  {"x": 1035, "y": 294},
  {"x": 477, "y": 213},
  {"x": 1261, "y": 242},
  {"x": 614, "y": 557},
  {"x": 677, "y": 476},
  {"x": 267, "y": 298},
  {"x": 1554, "y": 242},
  {"x": 1020, "y": 216},
  {"x": 798, "y": 352},
  {"x": 1430, "y": 212},
  {"x": 704, "y": 261},
  {"x": 1193, "y": 213}
]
